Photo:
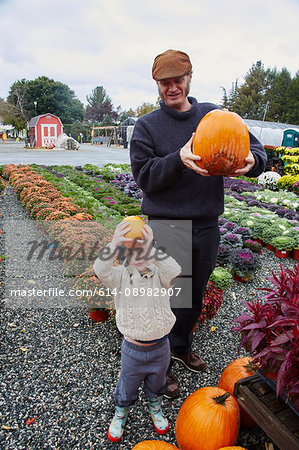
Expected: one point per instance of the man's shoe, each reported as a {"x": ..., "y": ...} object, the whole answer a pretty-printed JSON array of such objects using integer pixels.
[
  {"x": 117, "y": 426},
  {"x": 191, "y": 360},
  {"x": 160, "y": 421},
  {"x": 173, "y": 390}
]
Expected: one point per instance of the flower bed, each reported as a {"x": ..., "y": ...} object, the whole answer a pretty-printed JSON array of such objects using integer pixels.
[
  {"x": 100, "y": 198},
  {"x": 60, "y": 357}
]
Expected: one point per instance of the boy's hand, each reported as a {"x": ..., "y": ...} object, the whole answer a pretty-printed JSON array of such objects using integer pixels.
[
  {"x": 147, "y": 233},
  {"x": 119, "y": 234}
]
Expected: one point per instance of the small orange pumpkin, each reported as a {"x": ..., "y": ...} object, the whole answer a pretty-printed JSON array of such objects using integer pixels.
[
  {"x": 154, "y": 445},
  {"x": 136, "y": 224},
  {"x": 207, "y": 420},
  {"x": 236, "y": 370},
  {"x": 222, "y": 141}
]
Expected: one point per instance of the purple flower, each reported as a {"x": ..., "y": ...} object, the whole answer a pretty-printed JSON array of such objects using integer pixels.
[
  {"x": 244, "y": 261},
  {"x": 230, "y": 226},
  {"x": 234, "y": 240}
]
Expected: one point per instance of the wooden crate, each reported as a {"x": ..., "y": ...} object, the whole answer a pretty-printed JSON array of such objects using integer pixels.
[{"x": 273, "y": 415}]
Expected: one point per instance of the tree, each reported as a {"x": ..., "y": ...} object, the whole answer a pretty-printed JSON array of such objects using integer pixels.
[
  {"x": 292, "y": 101},
  {"x": 11, "y": 115},
  {"x": 126, "y": 114},
  {"x": 100, "y": 106},
  {"x": 145, "y": 108},
  {"x": 265, "y": 90},
  {"x": 50, "y": 96},
  {"x": 276, "y": 96},
  {"x": 248, "y": 100}
]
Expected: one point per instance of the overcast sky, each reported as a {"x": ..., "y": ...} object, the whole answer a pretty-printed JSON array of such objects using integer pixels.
[{"x": 112, "y": 43}]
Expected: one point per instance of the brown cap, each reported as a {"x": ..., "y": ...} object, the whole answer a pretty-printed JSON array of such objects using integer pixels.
[{"x": 171, "y": 64}]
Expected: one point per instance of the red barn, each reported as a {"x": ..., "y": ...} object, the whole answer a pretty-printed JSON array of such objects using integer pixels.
[{"x": 44, "y": 130}]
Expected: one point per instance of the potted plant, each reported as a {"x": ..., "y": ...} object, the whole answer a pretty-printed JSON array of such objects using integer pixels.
[
  {"x": 270, "y": 332},
  {"x": 232, "y": 239},
  {"x": 98, "y": 314},
  {"x": 245, "y": 232},
  {"x": 269, "y": 233},
  {"x": 296, "y": 252},
  {"x": 254, "y": 246},
  {"x": 283, "y": 245},
  {"x": 243, "y": 262},
  {"x": 221, "y": 278},
  {"x": 223, "y": 253}
]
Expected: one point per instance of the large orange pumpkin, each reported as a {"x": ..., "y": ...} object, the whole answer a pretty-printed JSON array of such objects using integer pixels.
[
  {"x": 234, "y": 447},
  {"x": 222, "y": 141},
  {"x": 136, "y": 225},
  {"x": 154, "y": 445},
  {"x": 236, "y": 370},
  {"x": 207, "y": 420}
]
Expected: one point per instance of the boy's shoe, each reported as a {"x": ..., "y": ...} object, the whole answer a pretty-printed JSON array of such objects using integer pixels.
[
  {"x": 160, "y": 421},
  {"x": 173, "y": 390},
  {"x": 117, "y": 425},
  {"x": 191, "y": 360}
]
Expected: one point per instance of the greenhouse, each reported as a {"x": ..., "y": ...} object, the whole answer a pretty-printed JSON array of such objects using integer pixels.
[{"x": 269, "y": 133}]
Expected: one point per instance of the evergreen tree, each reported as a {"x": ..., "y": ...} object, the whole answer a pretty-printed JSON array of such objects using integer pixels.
[
  {"x": 292, "y": 101},
  {"x": 100, "y": 106}
]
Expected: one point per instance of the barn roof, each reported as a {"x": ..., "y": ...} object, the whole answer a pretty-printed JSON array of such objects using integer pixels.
[{"x": 35, "y": 119}]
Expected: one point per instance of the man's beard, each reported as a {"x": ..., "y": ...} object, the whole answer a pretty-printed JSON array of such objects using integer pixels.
[{"x": 187, "y": 91}]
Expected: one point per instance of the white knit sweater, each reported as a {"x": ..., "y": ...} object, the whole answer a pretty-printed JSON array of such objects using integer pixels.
[{"x": 141, "y": 302}]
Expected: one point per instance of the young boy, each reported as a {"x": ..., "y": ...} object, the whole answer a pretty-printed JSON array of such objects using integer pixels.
[{"x": 141, "y": 287}]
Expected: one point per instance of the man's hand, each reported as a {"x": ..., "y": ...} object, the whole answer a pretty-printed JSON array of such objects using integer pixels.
[
  {"x": 189, "y": 159},
  {"x": 248, "y": 165}
]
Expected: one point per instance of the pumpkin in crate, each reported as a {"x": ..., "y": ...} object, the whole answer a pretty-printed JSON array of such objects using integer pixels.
[
  {"x": 154, "y": 445},
  {"x": 222, "y": 141},
  {"x": 207, "y": 420},
  {"x": 236, "y": 370},
  {"x": 136, "y": 224}
]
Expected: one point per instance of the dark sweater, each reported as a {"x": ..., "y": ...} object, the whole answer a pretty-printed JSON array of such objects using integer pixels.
[{"x": 170, "y": 189}]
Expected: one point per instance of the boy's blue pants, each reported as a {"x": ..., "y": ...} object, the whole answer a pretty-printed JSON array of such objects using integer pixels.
[{"x": 142, "y": 364}]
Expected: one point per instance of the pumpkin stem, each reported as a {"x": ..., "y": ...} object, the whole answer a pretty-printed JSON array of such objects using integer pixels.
[
  {"x": 220, "y": 400},
  {"x": 251, "y": 367}
]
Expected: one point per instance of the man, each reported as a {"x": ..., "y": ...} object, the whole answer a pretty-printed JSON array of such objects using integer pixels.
[{"x": 175, "y": 188}]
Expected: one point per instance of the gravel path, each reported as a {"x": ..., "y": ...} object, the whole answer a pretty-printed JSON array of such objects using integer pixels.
[{"x": 60, "y": 368}]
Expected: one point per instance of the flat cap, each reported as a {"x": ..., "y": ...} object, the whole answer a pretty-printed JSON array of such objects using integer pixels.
[{"x": 171, "y": 64}]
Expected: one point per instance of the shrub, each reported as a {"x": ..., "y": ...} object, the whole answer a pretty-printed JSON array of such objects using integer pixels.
[
  {"x": 223, "y": 253},
  {"x": 254, "y": 246},
  {"x": 269, "y": 233},
  {"x": 2, "y": 184},
  {"x": 269, "y": 331},
  {"x": 295, "y": 187},
  {"x": 287, "y": 181},
  {"x": 233, "y": 240},
  {"x": 269, "y": 180},
  {"x": 211, "y": 302},
  {"x": 283, "y": 242},
  {"x": 245, "y": 232},
  {"x": 244, "y": 262},
  {"x": 221, "y": 278}
]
